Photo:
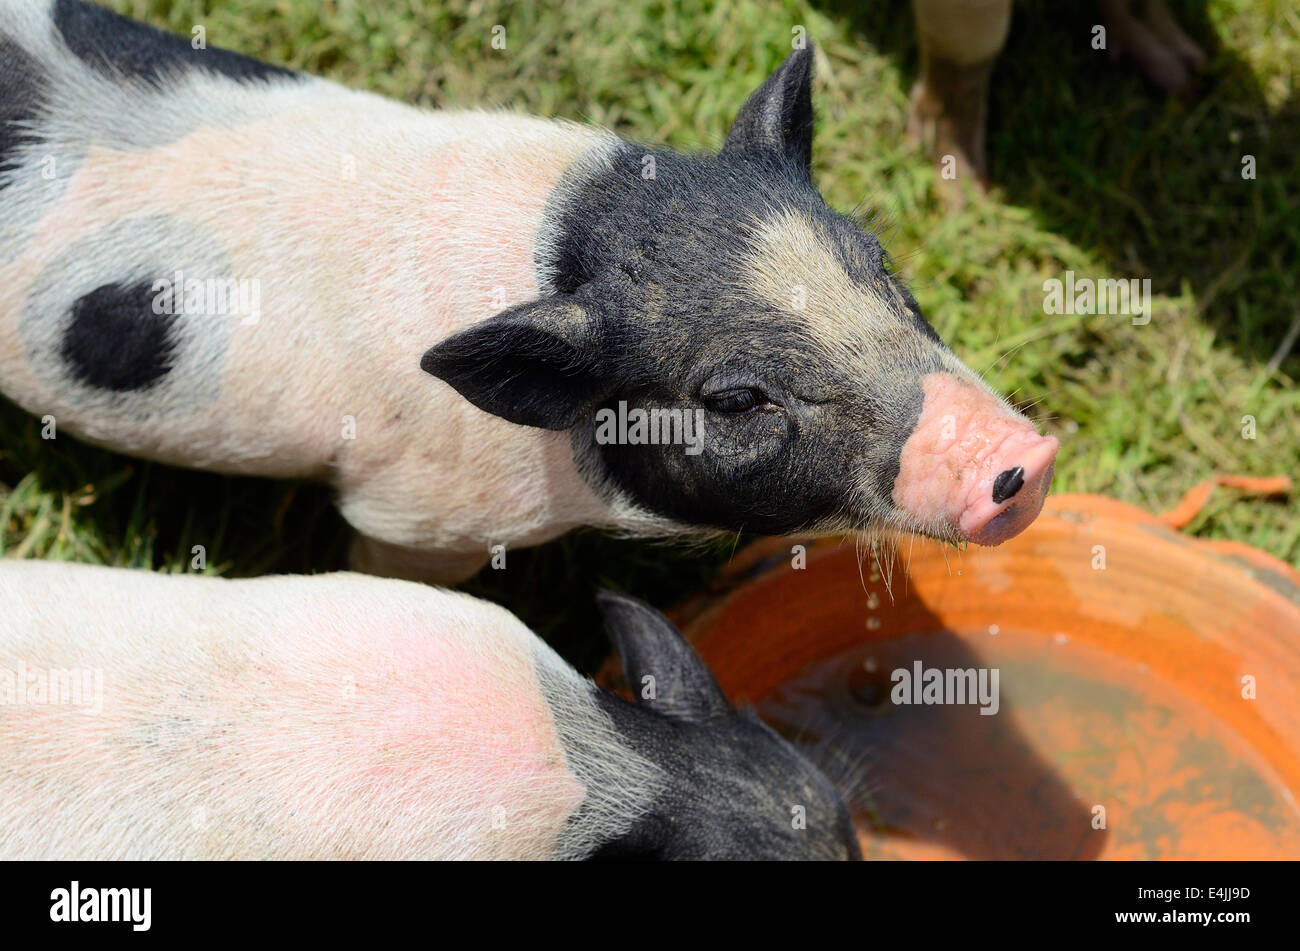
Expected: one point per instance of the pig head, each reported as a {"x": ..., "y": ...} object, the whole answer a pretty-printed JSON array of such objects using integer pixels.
[{"x": 724, "y": 291}]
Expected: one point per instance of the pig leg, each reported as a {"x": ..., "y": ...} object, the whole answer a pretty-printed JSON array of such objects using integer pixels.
[
  {"x": 375, "y": 557},
  {"x": 1164, "y": 25},
  {"x": 960, "y": 39},
  {"x": 1156, "y": 42}
]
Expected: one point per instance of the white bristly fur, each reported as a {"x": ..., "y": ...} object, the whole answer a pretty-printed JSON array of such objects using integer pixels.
[
  {"x": 336, "y": 716},
  {"x": 373, "y": 229}
]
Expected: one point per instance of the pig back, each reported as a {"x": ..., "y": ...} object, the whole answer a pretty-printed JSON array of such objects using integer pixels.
[
  {"x": 224, "y": 266},
  {"x": 312, "y": 718}
]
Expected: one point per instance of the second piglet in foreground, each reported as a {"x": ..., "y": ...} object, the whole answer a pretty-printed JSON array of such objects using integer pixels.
[{"x": 343, "y": 716}]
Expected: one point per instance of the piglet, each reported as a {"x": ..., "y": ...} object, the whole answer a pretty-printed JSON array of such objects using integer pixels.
[
  {"x": 345, "y": 716},
  {"x": 482, "y": 329}
]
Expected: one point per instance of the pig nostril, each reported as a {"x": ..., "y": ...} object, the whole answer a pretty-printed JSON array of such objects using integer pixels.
[{"x": 1008, "y": 483}]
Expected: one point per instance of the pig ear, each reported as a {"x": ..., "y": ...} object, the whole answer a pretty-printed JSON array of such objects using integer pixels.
[
  {"x": 663, "y": 670},
  {"x": 778, "y": 118},
  {"x": 532, "y": 364}
]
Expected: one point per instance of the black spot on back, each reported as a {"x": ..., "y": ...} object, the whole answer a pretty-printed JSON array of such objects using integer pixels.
[
  {"x": 116, "y": 46},
  {"x": 21, "y": 90},
  {"x": 114, "y": 340}
]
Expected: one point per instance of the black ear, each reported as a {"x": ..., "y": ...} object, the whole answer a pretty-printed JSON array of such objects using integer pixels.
[
  {"x": 533, "y": 364},
  {"x": 778, "y": 118},
  {"x": 682, "y": 686}
]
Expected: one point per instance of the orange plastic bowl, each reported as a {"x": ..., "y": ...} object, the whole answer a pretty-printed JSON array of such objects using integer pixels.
[{"x": 1148, "y": 687}]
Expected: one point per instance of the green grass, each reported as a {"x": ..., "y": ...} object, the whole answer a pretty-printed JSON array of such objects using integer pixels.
[{"x": 1096, "y": 173}]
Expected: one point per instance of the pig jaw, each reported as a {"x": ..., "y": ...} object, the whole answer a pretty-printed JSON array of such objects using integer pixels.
[{"x": 971, "y": 469}]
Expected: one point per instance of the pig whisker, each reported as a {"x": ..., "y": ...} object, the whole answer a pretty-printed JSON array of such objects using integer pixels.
[
  {"x": 857, "y": 551},
  {"x": 857, "y": 782},
  {"x": 847, "y": 763},
  {"x": 887, "y": 574},
  {"x": 1004, "y": 356},
  {"x": 836, "y": 749},
  {"x": 859, "y": 539},
  {"x": 735, "y": 543},
  {"x": 849, "y": 774}
]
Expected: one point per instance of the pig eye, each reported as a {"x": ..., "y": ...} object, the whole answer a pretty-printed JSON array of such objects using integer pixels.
[{"x": 739, "y": 400}]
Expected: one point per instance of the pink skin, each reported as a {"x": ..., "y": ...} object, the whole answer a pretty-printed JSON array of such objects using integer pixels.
[{"x": 964, "y": 439}]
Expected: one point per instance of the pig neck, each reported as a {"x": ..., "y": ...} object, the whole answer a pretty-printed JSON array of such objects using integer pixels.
[
  {"x": 574, "y": 248},
  {"x": 501, "y": 221},
  {"x": 622, "y": 782},
  {"x": 475, "y": 209}
]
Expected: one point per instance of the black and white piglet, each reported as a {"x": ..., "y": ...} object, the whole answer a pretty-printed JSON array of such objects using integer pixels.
[
  {"x": 217, "y": 263},
  {"x": 344, "y": 716}
]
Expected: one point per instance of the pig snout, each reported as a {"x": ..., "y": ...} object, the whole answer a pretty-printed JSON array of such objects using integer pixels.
[{"x": 971, "y": 467}]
